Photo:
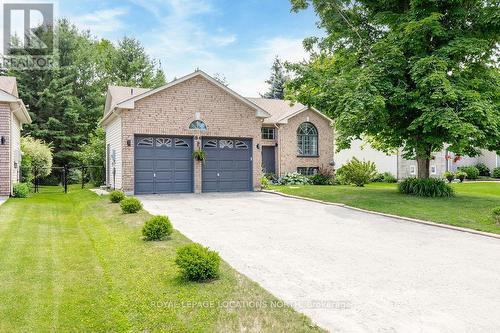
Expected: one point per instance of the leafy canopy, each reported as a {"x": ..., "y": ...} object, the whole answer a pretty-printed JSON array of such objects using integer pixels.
[{"x": 411, "y": 74}]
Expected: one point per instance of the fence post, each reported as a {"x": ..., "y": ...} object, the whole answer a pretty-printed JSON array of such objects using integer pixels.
[
  {"x": 83, "y": 177},
  {"x": 36, "y": 179},
  {"x": 65, "y": 178}
]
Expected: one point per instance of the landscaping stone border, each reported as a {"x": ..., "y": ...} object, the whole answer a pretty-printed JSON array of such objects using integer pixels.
[{"x": 434, "y": 224}]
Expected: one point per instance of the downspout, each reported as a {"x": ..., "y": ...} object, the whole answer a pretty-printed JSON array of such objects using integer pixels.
[{"x": 278, "y": 173}]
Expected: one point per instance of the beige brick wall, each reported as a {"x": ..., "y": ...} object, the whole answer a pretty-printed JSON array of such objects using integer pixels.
[
  {"x": 288, "y": 161},
  {"x": 5, "y": 128},
  {"x": 170, "y": 112}
]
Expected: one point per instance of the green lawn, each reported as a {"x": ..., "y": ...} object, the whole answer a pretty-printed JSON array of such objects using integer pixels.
[
  {"x": 471, "y": 208},
  {"x": 75, "y": 263}
]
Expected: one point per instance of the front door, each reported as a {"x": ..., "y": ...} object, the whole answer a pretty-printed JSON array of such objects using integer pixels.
[{"x": 269, "y": 159}]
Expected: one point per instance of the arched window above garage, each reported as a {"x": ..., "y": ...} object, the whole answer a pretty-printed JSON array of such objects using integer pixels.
[{"x": 199, "y": 125}]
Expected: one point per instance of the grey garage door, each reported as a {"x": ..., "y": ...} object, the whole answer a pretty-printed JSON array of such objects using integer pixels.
[
  {"x": 228, "y": 167},
  {"x": 163, "y": 165}
]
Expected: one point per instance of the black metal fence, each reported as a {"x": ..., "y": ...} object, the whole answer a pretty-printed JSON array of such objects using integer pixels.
[{"x": 60, "y": 178}]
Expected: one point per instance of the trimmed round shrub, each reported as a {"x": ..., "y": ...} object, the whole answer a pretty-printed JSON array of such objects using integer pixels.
[
  {"x": 496, "y": 172},
  {"x": 130, "y": 205},
  {"x": 116, "y": 196},
  {"x": 426, "y": 187},
  {"x": 496, "y": 214},
  {"x": 20, "y": 190},
  {"x": 265, "y": 182},
  {"x": 483, "y": 170},
  {"x": 157, "y": 228},
  {"x": 471, "y": 171},
  {"x": 198, "y": 263}
]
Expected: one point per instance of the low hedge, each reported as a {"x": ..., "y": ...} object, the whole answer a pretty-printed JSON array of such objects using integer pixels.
[
  {"x": 198, "y": 263},
  {"x": 157, "y": 228},
  {"x": 426, "y": 187},
  {"x": 130, "y": 205}
]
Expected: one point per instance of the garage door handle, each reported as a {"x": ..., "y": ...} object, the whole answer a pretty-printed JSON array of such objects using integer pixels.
[
  {"x": 154, "y": 175},
  {"x": 218, "y": 174}
]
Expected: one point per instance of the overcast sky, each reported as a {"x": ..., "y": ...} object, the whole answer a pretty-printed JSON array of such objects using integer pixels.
[{"x": 238, "y": 38}]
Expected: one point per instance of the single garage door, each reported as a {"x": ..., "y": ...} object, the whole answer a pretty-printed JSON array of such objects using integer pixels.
[
  {"x": 163, "y": 165},
  {"x": 228, "y": 167}
]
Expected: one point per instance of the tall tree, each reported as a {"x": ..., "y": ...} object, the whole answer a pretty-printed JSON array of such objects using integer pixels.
[
  {"x": 67, "y": 102},
  {"x": 133, "y": 67},
  {"x": 277, "y": 80},
  {"x": 411, "y": 74}
]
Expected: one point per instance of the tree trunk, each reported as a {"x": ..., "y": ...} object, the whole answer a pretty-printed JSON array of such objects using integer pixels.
[{"x": 423, "y": 167}]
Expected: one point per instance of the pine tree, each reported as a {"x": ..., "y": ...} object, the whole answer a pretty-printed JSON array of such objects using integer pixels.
[{"x": 277, "y": 81}]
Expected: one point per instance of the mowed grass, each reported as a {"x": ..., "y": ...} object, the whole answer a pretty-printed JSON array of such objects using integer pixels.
[
  {"x": 471, "y": 208},
  {"x": 75, "y": 263}
]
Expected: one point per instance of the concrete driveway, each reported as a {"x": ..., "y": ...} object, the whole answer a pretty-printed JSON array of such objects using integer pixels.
[{"x": 349, "y": 271}]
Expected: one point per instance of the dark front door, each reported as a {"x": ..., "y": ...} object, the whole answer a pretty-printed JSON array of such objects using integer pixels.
[
  {"x": 228, "y": 166},
  {"x": 163, "y": 165},
  {"x": 269, "y": 159}
]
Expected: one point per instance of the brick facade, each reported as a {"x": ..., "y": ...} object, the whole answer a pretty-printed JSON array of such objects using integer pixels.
[
  {"x": 288, "y": 159},
  {"x": 170, "y": 111},
  {"x": 5, "y": 169}
]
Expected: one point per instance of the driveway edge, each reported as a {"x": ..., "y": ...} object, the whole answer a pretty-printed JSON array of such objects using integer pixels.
[{"x": 434, "y": 224}]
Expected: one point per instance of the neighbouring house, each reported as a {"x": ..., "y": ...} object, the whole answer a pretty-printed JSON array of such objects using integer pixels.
[
  {"x": 13, "y": 115},
  {"x": 151, "y": 135},
  {"x": 402, "y": 168}
]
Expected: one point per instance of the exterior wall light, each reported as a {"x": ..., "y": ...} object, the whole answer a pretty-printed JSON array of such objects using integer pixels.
[
  {"x": 2, "y": 140},
  {"x": 129, "y": 143}
]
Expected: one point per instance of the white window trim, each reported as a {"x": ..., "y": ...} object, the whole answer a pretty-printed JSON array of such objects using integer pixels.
[
  {"x": 413, "y": 170},
  {"x": 433, "y": 170}
]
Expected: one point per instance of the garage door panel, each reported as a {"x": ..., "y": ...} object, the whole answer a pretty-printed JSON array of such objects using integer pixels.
[
  {"x": 144, "y": 188},
  {"x": 211, "y": 164},
  {"x": 142, "y": 176},
  {"x": 164, "y": 165},
  {"x": 164, "y": 176},
  {"x": 144, "y": 164},
  {"x": 161, "y": 167},
  {"x": 182, "y": 164},
  {"x": 228, "y": 167}
]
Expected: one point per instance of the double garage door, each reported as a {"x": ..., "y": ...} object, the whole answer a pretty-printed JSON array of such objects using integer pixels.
[{"x": 165, "y": 165}]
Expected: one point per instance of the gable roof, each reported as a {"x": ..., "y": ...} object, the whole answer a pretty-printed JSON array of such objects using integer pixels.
[
  {"x": 129, "y": 102},
  {"x": 117, "y": 94},
  {"x": 9, "y": 94},
  {"x": 9, "y": 85},
  {"x": 282, "y": 110}
]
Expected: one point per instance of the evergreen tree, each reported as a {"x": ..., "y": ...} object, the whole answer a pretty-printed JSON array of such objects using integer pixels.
[{"x": 277, "y": 81}]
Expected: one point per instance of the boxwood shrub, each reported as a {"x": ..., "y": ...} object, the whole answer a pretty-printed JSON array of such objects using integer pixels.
[
  {"x": 198, "y": 263},
  {"x": 20, "y": 190},
  {"x": 483, "y": 170},
  {"x": 130, "y": 205},
  {"x": 157, "y": 228},
  {"x": 116, "y": 196},
  {"x": 426, "y": 187},
  {"x": 471, "y": 171}
]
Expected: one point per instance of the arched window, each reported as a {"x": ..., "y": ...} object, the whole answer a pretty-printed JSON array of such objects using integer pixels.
[
  {"x": 198, "y": 124},
  {"x": 307, "y": 140}
]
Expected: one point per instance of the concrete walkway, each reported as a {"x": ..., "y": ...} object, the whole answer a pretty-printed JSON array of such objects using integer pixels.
[
  {"x": 349, "y": 271},
  {"x": 2, "y": 200}
]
